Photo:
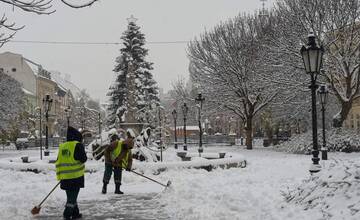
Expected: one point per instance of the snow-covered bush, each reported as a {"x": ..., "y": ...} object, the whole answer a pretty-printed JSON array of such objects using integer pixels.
[
  {"x": 334, "y": 191},
  {"x": 337, "y": 139}
]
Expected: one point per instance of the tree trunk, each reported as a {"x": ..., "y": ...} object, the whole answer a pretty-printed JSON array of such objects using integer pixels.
[
  {"x": 248, "y": 131},
  {"x": 345, "y": 109}
]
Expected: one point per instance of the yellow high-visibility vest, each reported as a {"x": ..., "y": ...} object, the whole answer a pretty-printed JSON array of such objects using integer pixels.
[
  {"x": 116, "y": 152},
  {"x": 66, "y": 166}
]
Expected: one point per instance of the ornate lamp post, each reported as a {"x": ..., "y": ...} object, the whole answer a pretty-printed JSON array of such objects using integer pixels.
[
  {"x": 185, "y": 110},
  {"x": 68, "y": 115},
  {"x": 323, "y": 93},
  {"x": 47, "y": 102},
  {"x": 199, "y": 100},
  {"x": 99, "y": 118},
  {"x": 83, "y": 116},
  {"x": 40, "y": 132},
  {"x": 312, "y": 57},
  {"x": 174, "y": 114}
]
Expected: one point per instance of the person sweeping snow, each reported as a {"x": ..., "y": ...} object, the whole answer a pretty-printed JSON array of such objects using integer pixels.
[
  {"x": 118, "y": 157},
  {"x": 70, "y": 170}
]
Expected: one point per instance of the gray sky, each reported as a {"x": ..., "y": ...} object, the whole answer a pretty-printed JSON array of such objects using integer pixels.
[{"x": 90, "y": 66}]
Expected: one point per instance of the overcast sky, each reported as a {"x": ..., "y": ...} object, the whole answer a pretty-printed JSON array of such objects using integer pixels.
[{"x": 90, "y": 66}]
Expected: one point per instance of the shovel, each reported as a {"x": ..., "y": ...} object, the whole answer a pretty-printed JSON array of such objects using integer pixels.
[
  {"x": 37, "y": 208},
  {"x": 167, "y": 184}
]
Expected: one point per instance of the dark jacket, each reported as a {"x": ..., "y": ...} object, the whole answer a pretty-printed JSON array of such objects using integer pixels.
[{"x": 79, "y": 154}]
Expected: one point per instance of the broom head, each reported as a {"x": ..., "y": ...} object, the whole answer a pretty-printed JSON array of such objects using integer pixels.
[{"x": 35, "y": 210}]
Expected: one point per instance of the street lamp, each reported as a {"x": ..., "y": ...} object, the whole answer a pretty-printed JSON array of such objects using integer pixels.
[
  {"x": 83, "y": 115},
  {"x": 199, "y": 100},
  {"x": 312, "y": 57},
  {"x": 174, "y": 114},
  {"x": 68, "y": 115},
  {"x": 40, "y": 119},
  {"x": 99, "y": 118},
  {"x": 185, "y": 110},
  {"x": 47, "y": 102},
  {"x": 323, "y": 93}
]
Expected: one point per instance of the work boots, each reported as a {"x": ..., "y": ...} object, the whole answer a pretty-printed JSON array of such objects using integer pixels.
[
  {"x": 68, "y": 213},
  {"x": 117, "y": 189},
  {"x": 76, "y": 214},
  {"x": 103, "y": 191}
]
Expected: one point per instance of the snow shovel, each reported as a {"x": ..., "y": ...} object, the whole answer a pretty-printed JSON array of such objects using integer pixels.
[
  {"x": 167, "y": 184},
  {"x": 37, "y": 208}
]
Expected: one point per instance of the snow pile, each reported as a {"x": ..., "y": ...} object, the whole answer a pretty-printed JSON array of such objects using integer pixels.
[
  {"x": 334, "y": 191},
  {"x": 299, "y": 144},
  {"x": 337, "y": 139}
]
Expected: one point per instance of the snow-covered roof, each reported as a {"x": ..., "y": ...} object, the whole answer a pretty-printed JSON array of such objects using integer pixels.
[
  {"x": 27, "y": 92},
  {"x": 192, "y": 128},
  {"x": 65, "y": 83}
]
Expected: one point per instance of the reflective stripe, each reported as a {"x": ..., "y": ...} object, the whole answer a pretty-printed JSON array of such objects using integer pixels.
[
  {"x": 67, "y": 164},
  {"x": 71, "y": 171}
]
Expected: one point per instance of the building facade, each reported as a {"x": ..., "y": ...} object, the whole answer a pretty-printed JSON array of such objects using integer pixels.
[{"x": 18, "y": 68}]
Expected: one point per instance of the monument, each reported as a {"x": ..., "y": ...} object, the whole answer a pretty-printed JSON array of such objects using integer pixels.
[{"x": 130, "y": 120}]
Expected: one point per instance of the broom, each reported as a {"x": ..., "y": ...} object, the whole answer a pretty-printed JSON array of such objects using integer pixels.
[{"x": 37, "y": 208}]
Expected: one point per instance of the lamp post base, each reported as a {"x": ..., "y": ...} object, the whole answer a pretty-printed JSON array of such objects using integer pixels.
[
  {"x": 185, "y": 147},
  {"x": 314, "y": 168},
  {"x": 46, "y": 152},
  {"x": 176, "y": 146}
]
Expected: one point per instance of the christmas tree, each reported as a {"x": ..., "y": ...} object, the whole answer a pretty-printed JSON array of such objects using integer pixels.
[{"x": 132, "y": 58}]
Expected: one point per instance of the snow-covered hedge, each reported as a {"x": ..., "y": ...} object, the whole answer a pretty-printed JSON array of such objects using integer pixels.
[
  {"x": 334, "y": 191},
  {"x": 337, "y": 139}
]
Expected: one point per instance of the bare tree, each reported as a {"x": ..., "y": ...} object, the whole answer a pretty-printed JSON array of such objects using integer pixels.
[
  {"x": 40, "y": 7},
  {"x": 335, "y": 24},
  {"x": 228, "y": 65}
]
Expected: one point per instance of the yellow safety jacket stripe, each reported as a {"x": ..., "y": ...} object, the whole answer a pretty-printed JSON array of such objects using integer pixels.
[{"x": 70, "y": 171}]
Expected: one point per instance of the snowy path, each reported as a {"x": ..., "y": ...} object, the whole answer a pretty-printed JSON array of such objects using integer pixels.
[
  {"x": 252, "y": 193},
  {"x": 129, "y": 207}
]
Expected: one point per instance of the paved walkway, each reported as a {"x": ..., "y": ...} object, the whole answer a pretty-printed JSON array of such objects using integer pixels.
[{"x": 127, "y": 207}]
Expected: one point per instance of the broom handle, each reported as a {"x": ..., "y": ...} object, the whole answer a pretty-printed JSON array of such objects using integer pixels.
[
  {"x": 49, "y": 194},
  {"x": 149, "y": 178}
]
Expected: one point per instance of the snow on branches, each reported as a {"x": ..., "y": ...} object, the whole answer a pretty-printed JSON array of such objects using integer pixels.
[
  {"x": 11, "y": 101},
  {"x": 227, "y": 63}
]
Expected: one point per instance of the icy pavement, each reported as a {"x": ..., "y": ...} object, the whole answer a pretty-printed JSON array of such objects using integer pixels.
[{"x": 128, "y": 207}]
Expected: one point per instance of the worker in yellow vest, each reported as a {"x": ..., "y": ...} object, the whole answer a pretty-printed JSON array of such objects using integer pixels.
[
  {"x": 118, "y": 157},
  {"x": 70, "y": 169}
]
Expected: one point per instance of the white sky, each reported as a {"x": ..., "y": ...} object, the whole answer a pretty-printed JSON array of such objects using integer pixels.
[{"x": 90, "y": 66}]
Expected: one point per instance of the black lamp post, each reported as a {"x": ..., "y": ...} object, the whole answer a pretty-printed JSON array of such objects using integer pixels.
[
  {"x": 323, "y": 93},
  {"x": 185, "y": 110},
  {"x": 83, "y": 115},
  {"x": 99, "y": 118},
  {"x": 40, "y": 119},
  {"x": 199, "y": 100},
  {"x": 174, "y": 114},
  {"x": 47, "y": 102},
  {"x": 312, "y": 57},
  {"x": 68, "y": 115}
]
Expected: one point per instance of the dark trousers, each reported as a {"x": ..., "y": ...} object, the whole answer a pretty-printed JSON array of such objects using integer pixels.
[
  {"x": 109, "y": 168},
  {"x": 71, "y": 207}
]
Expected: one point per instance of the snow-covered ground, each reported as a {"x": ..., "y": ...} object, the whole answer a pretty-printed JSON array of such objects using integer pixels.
[{"x": 258, "y": 191}]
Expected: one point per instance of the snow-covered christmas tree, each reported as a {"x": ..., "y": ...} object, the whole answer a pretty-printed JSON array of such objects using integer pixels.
[{"x": 145, "y": 88}]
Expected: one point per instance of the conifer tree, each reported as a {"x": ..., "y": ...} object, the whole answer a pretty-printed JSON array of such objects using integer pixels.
[{"x": 146, "y": 90}]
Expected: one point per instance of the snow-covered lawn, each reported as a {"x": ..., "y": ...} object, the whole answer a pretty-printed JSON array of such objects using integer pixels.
[{"x": 255, "y": 192}]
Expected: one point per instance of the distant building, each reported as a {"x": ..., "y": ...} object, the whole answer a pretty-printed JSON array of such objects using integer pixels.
[
  {"x": 18, "y": 68},
  {"x": 353, "y": 119}
]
